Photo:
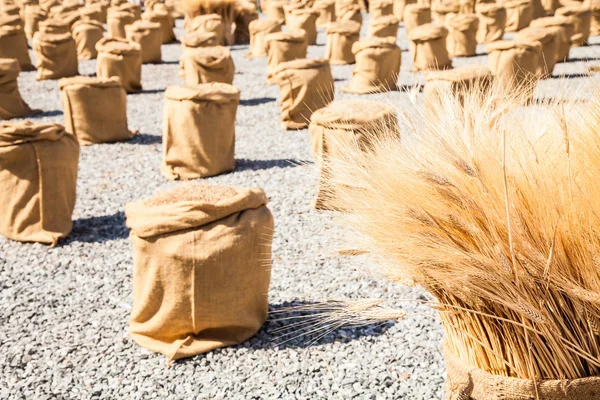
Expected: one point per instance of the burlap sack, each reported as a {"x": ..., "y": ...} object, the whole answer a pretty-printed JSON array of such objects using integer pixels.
[
  {"x": 515, "y": 64},
  {"x": 457, "y": 82},
  {"x": 46, "y": 5},
  {"x": 595, "y": 21},
  {"x": 442, "y": 8},
  {"x": 582, "y": 22},
  {"x": 166, "y": 24},
  {"x": 549, "y": 39},
  {"x": 13, "y": 44},
  {"x": 56, "y": 56},
  {"x": 68, "y": 17},
  {"x": 175, "y": 7},
  {"x": 519, "y": 14},
  {"x": 306, "y": 20},
  {"x": 384, "y": 27},
  {"x": 121, "y": 58},
  {"x": 466, "y": 382},
  {"x": 93, "y": 12},
  {"x": 306, "y": 86},
  {"x": 116, "y": 20},
  {"x": 196, "y": 39},
  {"x": 326, "y": 10},
  {"x": 348, "y": 10},
  {"x": 381, "y": 8},
  {"x": 346, "y": 123},
  {"x": 135, "y": 9},
  {"x": 54, "y": 26},
  {"x": 214, "y": 245},
  {"x": 377, "y": 66},
  {"x": 466, "y": 6},
  {"x": 192, "y": 118},
  {"x": 39, "y": 180},
  {"x": 283, "y": 47},
  {"x": 428, "y": 47},
  {"x": 32, "y": 17},
  {"x": 87, "y": 34},
  {"x": 149, "y": 36},
  {"x": 10, "y": 20},
  {"x": 244, "y": 15},
  {"x": 10, "y": 9},
  {"x": 275, "y": 10},
  {"x": 95, "y": 109},
  {"x": 259, "y": 29},
  {"x": 210, "y": 23},
  {"x": 341, "y": 36},
  {"x": 207, "y": 64},
  {"x": 416, "y": 15},
  {"x": 462, "y": 31},
  {"x": 565, "y": 28},
  {"x": 399, "y": 6},
  {"x": 11, "y": 102},
  {"x": 291, "y": 6},
  {"x": 492, "y": 19}
]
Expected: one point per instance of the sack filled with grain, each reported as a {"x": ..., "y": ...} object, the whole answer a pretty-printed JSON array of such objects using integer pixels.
[
  {"x": 564, "y": 27},
  {"x": 595, "y": 21},
  {"x": 274, "y": 10},
  {"x": 306, "y": 20},
  {"x": 132, "y": 8},
  {"x": 492, "y": 19},
  {"x": 211, "y": 23},
  {"x": 549, "y": 39},
  {"x": 149, "y": 36},
  {"x": 93, "y": 12},
  {"x": 348, "y": 11},
  {"x": 305, "y": 86},
  {"x": 11, "y": 102},
  {"x": 87, "y": 34},
  {"x": 116, "y": 20},
  {"x": 326, "y": 10},
  {"x": 462, "y": 30},
  {"x": 121, "y": 58},
  {"x": 428, "y": 47},
  {"x": 519, "y": 14},
  {"x": 384, "y": 26},
  {"x": 259, "y": 29},
  {"x": 581, "y": 15},
  {"x": 214, "y": 244},
  {"x": 166, "y": 23},
  {"x": 32, "y": 17},
  {"x": 246, "y": 13},
  {"x": 377, "y": 66},
  {"x": 10, "y": 9},
  {"x": 380, "y": 8},
  {"x": 192, "y": 117},
  {"x": 207, "y": 64},
  {"x": 95, "y": 109},
  {"x": 282, "y": 47},
  {"x": 10, "y": 20},
  {"x": 440, "y": 9},
  {"x": 341, "y": 36},
  {"x": 399, "y": 6},
  {"x": 39, "y": 180},
  {"x": 13, "y": 44},
  {"x": 416, "y": 15},
  {"x": 196, "y": 39},
  {"x": 344, "y": 123},
  {"x": 56, "y": 55}
]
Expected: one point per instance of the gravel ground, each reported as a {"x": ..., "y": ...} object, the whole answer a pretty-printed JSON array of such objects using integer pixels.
[{"x": 64, "y": 311}]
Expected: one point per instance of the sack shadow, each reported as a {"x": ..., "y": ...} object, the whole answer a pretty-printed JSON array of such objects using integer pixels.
[
  {"x": 145, "y": 139},
  {"x": 582, "y": 59},
  {"x": 569, "y": 76},
  {"x": 243, "y": 164},
  {"x": 149, "y": 91},
  {"x": 53, "y": 113},
  {"x": 98, "y": 229},
  {"x": 257, "y": 101}
]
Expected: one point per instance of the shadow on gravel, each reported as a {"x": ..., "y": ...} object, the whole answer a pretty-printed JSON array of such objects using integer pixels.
[
  {"x": 298, "y": 325},
  {"x": 150, "y": 91},
  {"x": 582, "y": 59},
  {"x": 243, "y": 164},
  {"x": 570, "y": 76},
  {"x": 98, "y": 229},
  {"x": 409, "y": 88},
  {"x": 144, "y": 138},
  {"x": 257, "y": 101},
  {"x": 53, "y": 113}
]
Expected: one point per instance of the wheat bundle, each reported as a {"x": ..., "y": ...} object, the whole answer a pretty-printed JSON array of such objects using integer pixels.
[{"x": 493, "y": 210}]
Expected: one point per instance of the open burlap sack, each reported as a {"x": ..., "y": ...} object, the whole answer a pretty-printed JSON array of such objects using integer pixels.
[
  {"x": 341, "y": 36},
  {"x": 95, "y": 109},
  {"x": 466, "y": 382},
  {"x": 492, "y": 20},
  {"x": 283, "y": 47},
  {"x": 306, "y": 20},
  {"x": 121, "y": 58},
  {"x": 428, "y": 47},
  {"x": 166, "y": 23},
  {"x": 384, "y": 26},
  {"x": 549, "y": 39},
  {"x": 348, "y": 10},
  {"x": 326, "y": 10},
  {"x": 54, "y": 26},
  {"x": 515, "y": 64},
  {"x": 581, "y": 15},
  {"x": 11, "y": 102},
  {"x": 199, "y": 130},
  {"x": 275, "y": 11},
  {"x": 87, "y": 34},
  {"x": 68, "y": 17},
  {"x": 291, "y": 6},
  {"x": 116, "y": 20},
  {"x": 210, "y": 23},
  {"x": 201, "y": 270},
  {"x": 207, "y": 64},
  {"x": 306, "y": 86},
  {"x": 416, "y": 15},
  {"x": 519, "y": 14},
  {"x": 259, "y": 29},
  {"x": 56, "y": 56},
  {"x": 39, "y": 180},
  {"x": 346, "y": 123},
  {"x": 246, "y": 13},
  {"x": 135, "y": 9},
  {"x": 13, "y": 44},
  {"x": 399, "y": 6},
  {"x": 565, "y": 28},
  {"x": 149, "y": 36},
  {"x": 377, "y": 66},
  {"x": 93, "y": 12},
  {"x": 595, "y": 20},
  {"x": 442, "y": 8},
  {"x": 462, "y": 31},
  {"x": 32, "y": 17},
  {"x": 10, "y": 20},
  {"x": 196, "y": 39},
  {"x": 381, "y": 8}
]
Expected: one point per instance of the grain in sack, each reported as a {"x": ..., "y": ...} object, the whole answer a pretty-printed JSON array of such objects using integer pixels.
[
  {"x": 384, "y": 26},
  {"x": 210, "y": 23},
  {"x": 166, "y": 23},
  {"x": 341, "y": 36},
  {"x": 11, "y": 102},
  {"x": 348, "y": 10},
  {"x": 462, "y": 32},
  {"x": 39, "y": 179},
  {"x": 380, "y": 8},
  {"x": 305, "y": 86},
  {"x": 199, "y": 130},
  {"x": 306, "y": 20},
  {"x": 282, "y": 47},
  {"x": 326, "y": 10},
  {"x": 56, "y": 56},
  {"x": 54, "y": 26},
  {"x": 275, "y": 11},
  {"x": 87, "y": 34},
  {"x": 246, "y": 13},
  {"x": 259, "y": 29},
  {"x": 519, "y": 14},
  {"x": 564, "y": 27},
  {"x": 32, "y": 17},
  {"x": 93, "y": 12},
  {"x": 428, "y": 47},
  {"x": 13, "y": 44},
  {"x": 581, "y": 15},
  {"x": 416, "y": 15},
  {"x": 201, "y": 268},
  {"x": 399, "y": 6},
  {"x": 149, "y": 36},
  {"x": 442, "y": 8},
  {"x": 377, "y": 66},
  {"x": 116, "y": 20},
  {"x": 492, "y": 20},
  {"x": 95, "y": 109},
  {"x": 208, "y": 64},
  {"x": 121, "y": 58}
]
